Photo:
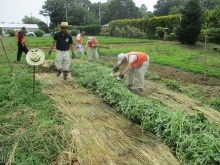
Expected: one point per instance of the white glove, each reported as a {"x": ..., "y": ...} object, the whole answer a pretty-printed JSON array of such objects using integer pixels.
[
  {"x": 118, "y": 78},
  {"x": 111, "y": 75}
]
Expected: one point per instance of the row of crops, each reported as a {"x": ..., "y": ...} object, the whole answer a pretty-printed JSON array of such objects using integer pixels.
[{"x": 192, "y": 138}]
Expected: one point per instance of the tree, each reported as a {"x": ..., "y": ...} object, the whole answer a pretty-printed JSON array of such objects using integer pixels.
[
  {"x": 30, "y": 20},
  {"x": 43, "y": 26},
  {"x": 121, "y": 9},
  {"x": 145, "y": 13},
  {"x": 209, "y": 4},
  {"x": 76, "y": 12},
  {"x": 191, "y": 22},
  {"x": 163, "y": 7},
  {"x": 81, "y": 16}
]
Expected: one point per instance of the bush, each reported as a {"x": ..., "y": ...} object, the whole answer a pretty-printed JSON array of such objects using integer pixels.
[
  {"x": 191, "y": 23},
  {"x": 147, "y": 25},
  {"x": 129, "y": 32},
  {"x": 39, "y": 33},
  {"x": 11, "y": 33},
  {"x": 92, "y": 30},
  {"x": 172, "y": 37},
  {"x": 105, "y": 32},
  {"x": 159, "y": 32},
  {"x": 0, "y": 31}
]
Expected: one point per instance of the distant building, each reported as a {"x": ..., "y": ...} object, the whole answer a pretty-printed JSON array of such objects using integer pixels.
[{"x": 29, "y": 27}]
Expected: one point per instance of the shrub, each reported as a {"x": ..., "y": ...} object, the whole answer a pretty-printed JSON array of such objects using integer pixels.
[
  {"x": 105, "y": 31},
  {"x": 39, "y": 33},
  {"x": 172, "y": 37},
  {"x": 159, "y": 32},
  {"x": 191, "y": 23},
  {"x": 129, "y": 32},
  {"x": 11, "y": 33},
  {"x": 89, "y": 29},
  {"x": 0, "y": 31}
]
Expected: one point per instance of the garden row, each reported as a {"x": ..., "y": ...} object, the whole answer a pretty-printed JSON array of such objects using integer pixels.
[{"x": 192, "y": 138}]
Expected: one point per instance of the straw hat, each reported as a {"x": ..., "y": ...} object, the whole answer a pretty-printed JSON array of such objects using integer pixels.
[
  {"x": 64, "y": 24},
  {"x": 35, "y": 57}
]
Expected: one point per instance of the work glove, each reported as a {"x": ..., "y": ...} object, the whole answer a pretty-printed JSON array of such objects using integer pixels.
[
  {"x": 120, "y": 76},
  {"x": 111, "y": 75},
  {"x": 49, "y": 52},
  {"x": 73, "y": 55},
  {"x": 115, "y": 69}
]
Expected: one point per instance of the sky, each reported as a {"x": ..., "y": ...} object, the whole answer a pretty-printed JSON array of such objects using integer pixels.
[{"x": 13, "y": 11}]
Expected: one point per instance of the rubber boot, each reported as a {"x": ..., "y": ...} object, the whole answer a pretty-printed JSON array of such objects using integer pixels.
[
  {"x": 58, "y": 73},
  {"x": 65, "y": 74}
]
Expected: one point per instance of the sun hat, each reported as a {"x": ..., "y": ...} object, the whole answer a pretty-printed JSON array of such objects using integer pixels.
[
  {"x": 121, "y": 56},
  {"x": 89, "y": 38},
  {"x": 64, "y": 24},
  {"x": 35, "y": 57}
]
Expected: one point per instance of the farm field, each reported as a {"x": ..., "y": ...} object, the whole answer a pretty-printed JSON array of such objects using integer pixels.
[{"x": 82, "y": 126}]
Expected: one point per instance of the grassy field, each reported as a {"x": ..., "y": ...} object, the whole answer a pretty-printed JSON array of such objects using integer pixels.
[{"x": 32, "y": 126}]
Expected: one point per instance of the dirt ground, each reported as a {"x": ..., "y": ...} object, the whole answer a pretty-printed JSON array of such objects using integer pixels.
[{"x": 99, "y": 134}]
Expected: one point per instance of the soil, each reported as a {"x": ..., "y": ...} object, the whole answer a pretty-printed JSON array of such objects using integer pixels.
[{"x": 99, "y": 134}]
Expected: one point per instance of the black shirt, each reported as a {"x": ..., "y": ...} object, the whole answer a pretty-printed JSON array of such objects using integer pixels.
[{"x": 63, "y": 42}]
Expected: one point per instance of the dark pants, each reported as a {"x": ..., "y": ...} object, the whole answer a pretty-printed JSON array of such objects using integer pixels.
[{"x": 20, "y": 50}]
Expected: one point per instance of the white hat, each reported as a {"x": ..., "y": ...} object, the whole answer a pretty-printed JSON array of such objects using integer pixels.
[
  {"x": 121, "y": 56},
  {"x": 35, "y": 57},
  {"x": 89, "y": 38},
  {"x": 64, "y": 24}
]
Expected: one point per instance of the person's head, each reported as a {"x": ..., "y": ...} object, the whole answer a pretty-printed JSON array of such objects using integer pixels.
[
  {"x": 121, "y": 58},
  {"x": 83, "y": 33},
  {"x": 64, "y": 27},
  {"x": 24, "y": 29},
  {"x": 90, "y": 38}
]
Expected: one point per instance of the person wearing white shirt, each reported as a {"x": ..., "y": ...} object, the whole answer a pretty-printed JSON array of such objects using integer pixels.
[{"x": 135, "y": 61}]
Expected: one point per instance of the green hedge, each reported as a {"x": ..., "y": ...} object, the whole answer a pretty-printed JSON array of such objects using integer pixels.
[
  {"x": 148, "y": 25},
  {"x": 193, "y": 138},
  {"x": 93, "y": 30}
]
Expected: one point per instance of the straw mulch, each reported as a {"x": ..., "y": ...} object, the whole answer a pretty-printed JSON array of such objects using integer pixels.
[{"x": 95, "y": 133}]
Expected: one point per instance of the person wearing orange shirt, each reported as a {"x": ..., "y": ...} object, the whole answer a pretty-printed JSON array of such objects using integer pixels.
[
  {"x": 20, "y": 37},
  {"x": 135, "y": 61},
  {"x": 79, "y": 44},
  {"x": 91, "y": 45}
]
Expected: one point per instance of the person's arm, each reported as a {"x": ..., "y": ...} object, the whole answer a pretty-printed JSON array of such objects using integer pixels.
[
  {"x": 72, "y": 48},
  {"x": 128, "y": 67},
  {"x": 52, "y": 45},
  {"x": 87, "y": 44}
]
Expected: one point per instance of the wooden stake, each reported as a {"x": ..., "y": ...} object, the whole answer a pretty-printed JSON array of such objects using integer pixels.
[
  {"x": 6, "y": 56},
  {"x": 34, "y": 81},
  {"x": 205, "y": 67}
]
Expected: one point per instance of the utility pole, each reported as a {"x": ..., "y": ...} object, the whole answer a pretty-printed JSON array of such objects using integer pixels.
[
  {"x": 65, "y": 6},
  {"x": 99, "y": 14}
]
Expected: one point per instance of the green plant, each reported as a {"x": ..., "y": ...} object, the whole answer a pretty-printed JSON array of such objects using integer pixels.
[
  {"x": 191, "y": 23},
  {"x": 172, "y": 37},
  {"x": 192, "y": 137},
  {"x": 173, "y": 85},
  {"x": 11, "y": 33},
  {"x": 159, "y": 32},
  {"x": 39, "y": 33}
]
